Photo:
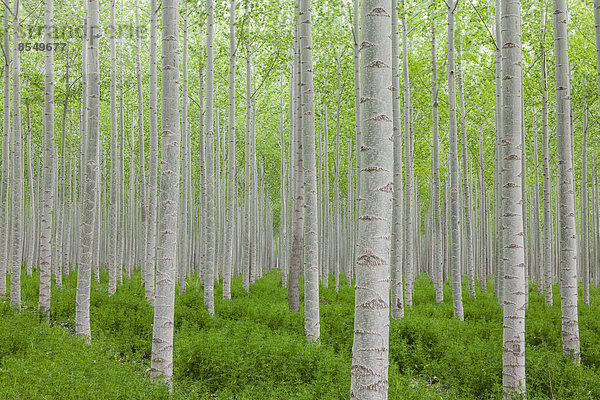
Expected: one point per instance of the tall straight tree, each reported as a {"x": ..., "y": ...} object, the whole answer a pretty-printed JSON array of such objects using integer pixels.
[
  {"x": 410, "y": 265},
  {"x": 547, "y": 179},
  {"x": 312, "y": 327},
  {"x": 396, "y": 249},
  {"x": 48, "y": 167},
  {"x": 4, "y": 186},
  {"x": 210, "y": 163},
  {"x": 597, "y": 34},
  {"x": 17, "y": 179},
  {"x": 153, "y": 162},
  {"x": 164, "y": 301},
  {"x": 435, "y": 162},
  {"x": 454, "y": 227},
  {"x": 114, "y": 227},
  {"x": 370, "y": 347},
  {"x": 91, "y": 168},
  {"x": 298, "y": 220},
  {"x": 584, "y": 249},
  {"x": 566, "y": 190},
  {"x": 468, "y": 208},
  {"x": 146, "y": 275},
  {"x": 513, "y": 349},
  {"x": 227, "y": 267}
]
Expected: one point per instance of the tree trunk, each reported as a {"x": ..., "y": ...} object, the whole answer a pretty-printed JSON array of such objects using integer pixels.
[
  {"x": 48, "y": 168},
  {"x": 91, "y": 168},
  {"x": 298, "y": 225},
  {"x": 513, "y": 349},
  {"x": 312, "y": 326},
  {"x": 454, "y": 238},
  {"x": 227, "y": 266},
  {"x": 566, "y": 205},
  {"x": 435, "y": 162},
  {"x": 468, "y": 208},
  {"x": 153, "y": 172},
  {"x": 210, "y": 163},
  {"x": 585, "y": 231},
  {"x": 396, "y": 247},
  {"x": 164, "y": 301},
  {"x": 4, "y": 188},
  {"x": 371, "y": 322}
]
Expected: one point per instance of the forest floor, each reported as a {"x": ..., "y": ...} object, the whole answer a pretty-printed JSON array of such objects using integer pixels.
[{"x": 254, "y": 348}]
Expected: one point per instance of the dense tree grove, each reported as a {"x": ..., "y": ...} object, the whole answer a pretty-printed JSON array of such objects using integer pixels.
[{"x": 192, "y": 147}]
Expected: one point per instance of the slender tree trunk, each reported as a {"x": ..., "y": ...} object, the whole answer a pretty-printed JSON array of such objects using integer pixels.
[
  {"x": 298, "y": 226},
  {"x": 468, "y": 217},
  {"x": 548, "y": 235},
  {"x": 454, "y": 237},
  {"x": 371, "y": 322},
  {"x": 312, "y": 327},
  {"x": 210, "y": 174},
  {"x": 114, "y": 228},
  {"x": 513, "y": 350},
  {"x": 537, "y": 244},
  {"x": 584, "y": 246},
  {"x": 597, "y": 34},
  {"x": 396, "y": 248},
  {"x": 164, "y": 301},
  {"x": 4, "y": 187},
  {"x": 48, "y": 167},
  {"x": 437, "y": 238},
  {"x": 566, "y": 206},
  {"x": 91, "y": 168},
  {"x": 410, "y": 266},
  {"x": 228, "y": 265},
  {"x": 153, "y": 172}
]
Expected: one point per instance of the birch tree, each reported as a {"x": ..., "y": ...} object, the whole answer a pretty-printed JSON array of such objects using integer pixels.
[
  {"x": 371, "y": 317},
  {"x": 164, "y": 301}
]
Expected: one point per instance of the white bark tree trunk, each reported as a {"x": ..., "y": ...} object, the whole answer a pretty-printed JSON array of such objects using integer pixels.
[
  {"x": 91, "y": 168},
  {"x": 164, "y": 301},
  {"x": 566, "y": 204},
  {"x": 513, "y": 349},
  {"x": 371, "y": 322},
  {"x": 210, "y": 163},
  {"x": 396, "y": 249},
  {"x": 48, "y": 167},
  {"x": 454, "y": 227},
  {"x": 312, "y": 327}
]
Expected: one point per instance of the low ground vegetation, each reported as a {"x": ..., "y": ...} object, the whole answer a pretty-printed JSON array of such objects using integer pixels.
[{"x": 254, "y": 348}]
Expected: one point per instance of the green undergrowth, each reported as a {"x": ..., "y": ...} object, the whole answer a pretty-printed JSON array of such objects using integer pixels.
[{"x": 254, "y": 348}]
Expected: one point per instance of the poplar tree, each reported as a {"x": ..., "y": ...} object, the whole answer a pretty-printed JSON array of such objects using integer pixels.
[
  {"x": 370, "y": 347},
  {"x": 164, "y": 302},
  {"x": 48, "y": 167},
  {"x": 513, "y": 349},
  {"x": 91, "y": 169},
  {"x": 312, "y": 326},
  {"x": 228, "y": 264},
  {"x": 454, "y": 226},
  {"x": 566, "y": 189}
]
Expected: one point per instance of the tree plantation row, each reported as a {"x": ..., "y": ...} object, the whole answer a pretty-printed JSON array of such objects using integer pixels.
[{"x": 369, "y": 141}]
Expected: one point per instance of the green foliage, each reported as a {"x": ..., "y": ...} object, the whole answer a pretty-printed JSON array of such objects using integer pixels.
[{"x": 254, "y": 348}]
